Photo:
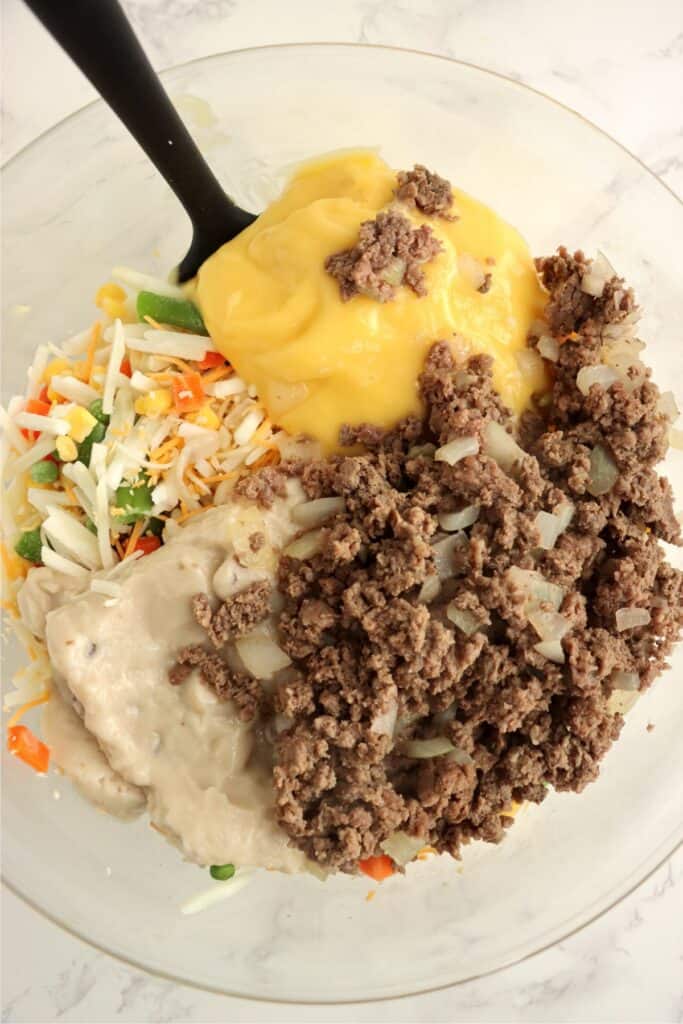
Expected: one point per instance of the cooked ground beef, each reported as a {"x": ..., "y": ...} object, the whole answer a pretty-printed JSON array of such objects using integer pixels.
[
  {"x": 372, "y": 631},
  {"x": 246, "y": 693},
  {"x": 389, "y": 253},
  {"x": 427, "y": 191},
  {"x": 263, "y": 487},
  {"x": 235, "y": 617}
]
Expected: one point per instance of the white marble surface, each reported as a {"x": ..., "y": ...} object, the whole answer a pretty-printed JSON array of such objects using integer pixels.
[{"x": 621, "y": 65}]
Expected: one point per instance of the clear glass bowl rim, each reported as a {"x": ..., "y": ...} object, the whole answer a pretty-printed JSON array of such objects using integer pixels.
[{"x": 677, "y": 844}]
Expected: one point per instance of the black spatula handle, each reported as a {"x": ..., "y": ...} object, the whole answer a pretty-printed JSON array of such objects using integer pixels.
[{"x": 99, "y": 38}]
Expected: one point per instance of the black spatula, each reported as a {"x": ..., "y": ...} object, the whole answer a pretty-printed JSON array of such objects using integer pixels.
[{"x": 100, "y": 40}]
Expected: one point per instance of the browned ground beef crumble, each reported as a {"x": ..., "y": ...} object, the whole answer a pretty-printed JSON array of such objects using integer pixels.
[
  {"x": 389, "y": 253},
  {"x": 428, "y": 192},
  {"x": 361, "y": 640}
]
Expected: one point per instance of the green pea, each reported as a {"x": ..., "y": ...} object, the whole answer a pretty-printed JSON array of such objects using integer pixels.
[
  {"x": 222, "y": 872},
  {"x": 29, "y": 546},
  {"x": 44, "y": 472}
]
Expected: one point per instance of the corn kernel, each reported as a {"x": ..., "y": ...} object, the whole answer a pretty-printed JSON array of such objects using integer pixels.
[
  {"x": 154, "y": 403},
  {"x": 109, "y": 291},
  {"x": 66, "y": 448},
  {"x": 115, "y": 309},
  {"x": 81, "y": 423},
  {"x": 56, "y": 366},
  {"x": 205, "y": 417}
]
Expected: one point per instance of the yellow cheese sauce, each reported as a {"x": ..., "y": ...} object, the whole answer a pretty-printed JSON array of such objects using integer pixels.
[{"x": 318, "y": 362}]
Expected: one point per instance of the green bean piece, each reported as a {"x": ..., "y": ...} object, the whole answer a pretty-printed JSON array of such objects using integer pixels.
[
  {"x": 156, "y": 527},
  {"x": 85, "y": 447},
  {"x": 134, "y": 502},
  {"x": 95, "y": 409},
  {"x": 165, "y": 310}
]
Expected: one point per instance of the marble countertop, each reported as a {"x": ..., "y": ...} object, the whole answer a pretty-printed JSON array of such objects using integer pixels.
[{"x": 621, "y": 66}]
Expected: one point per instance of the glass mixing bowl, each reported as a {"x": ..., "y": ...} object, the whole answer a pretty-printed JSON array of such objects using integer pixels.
[{"x": 82, "y": 199}]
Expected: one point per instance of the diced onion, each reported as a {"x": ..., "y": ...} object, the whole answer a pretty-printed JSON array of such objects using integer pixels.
[
  {"x": 447, "y": 715},
  {"x": 630, "y": 618},
  {"x": 596, "y": 276},
  {"x": 456, "y": 450},
  {"x": 385, "y": 723},
  {"x": 564, "y": 513},
  {"x": 676, "y": 439},
  {"x": 501, "y": 446},
  {"x": 603, "y": 376},
  {"x": 622, "y": 353},
  {"x": 261, "y": 656},
  {"x": 465, "y": 620},
  {"x": 421, "y": 451},
  {"x": 621, "y": 701},
  {"x": 623, "y": 329},
  {"x": 443, "y": 554},
  {"x": 460, "y": 756},
  {"x": 666, "y": 405},
  {"x": 281, "y": 723},
  {"x": 603, "y": 472},
  {"x": 552, "y": 650},
  {"x": 305, "y": 546},
  {"x": 537, "y": 589},
  {"x": 548, "y": 531},
  {"x": 548, "y": 625},
  {"x": 451, "y": 521},
  {"x": 314, "y": 513},
  {"x": 472, "y": 270},
  {"x": 394, "y": 272},
  {"x": 548, "y": 347},
  {"x": 551, "y": 524},
  {"x": 402, "y": 848},
  {"x": 529, "y": 362},
  {"x": 625, "y": 680},
  {"x": 429, "y": 590},
  {"x": 420, "y": 749}
]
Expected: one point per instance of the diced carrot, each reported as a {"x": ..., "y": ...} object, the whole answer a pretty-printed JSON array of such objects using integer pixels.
[
  {"x": 43, "y": 396},
  {"x": 188, "y": 394},
  {"x": 40, "y": 408},
  {"x": 147, "y": 544},
  {"x": 126, "y": 369},
  {"x": 24, "y": 744},
  {"x": 377, "y": 868},
  {"x": 210, "y": 360}
]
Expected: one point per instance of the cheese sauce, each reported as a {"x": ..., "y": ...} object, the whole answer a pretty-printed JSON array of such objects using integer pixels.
[{"x": 318, "y": 362}]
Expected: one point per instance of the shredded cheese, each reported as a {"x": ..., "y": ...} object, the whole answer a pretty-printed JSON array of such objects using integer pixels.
[{"x": 118, "y": 351}]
